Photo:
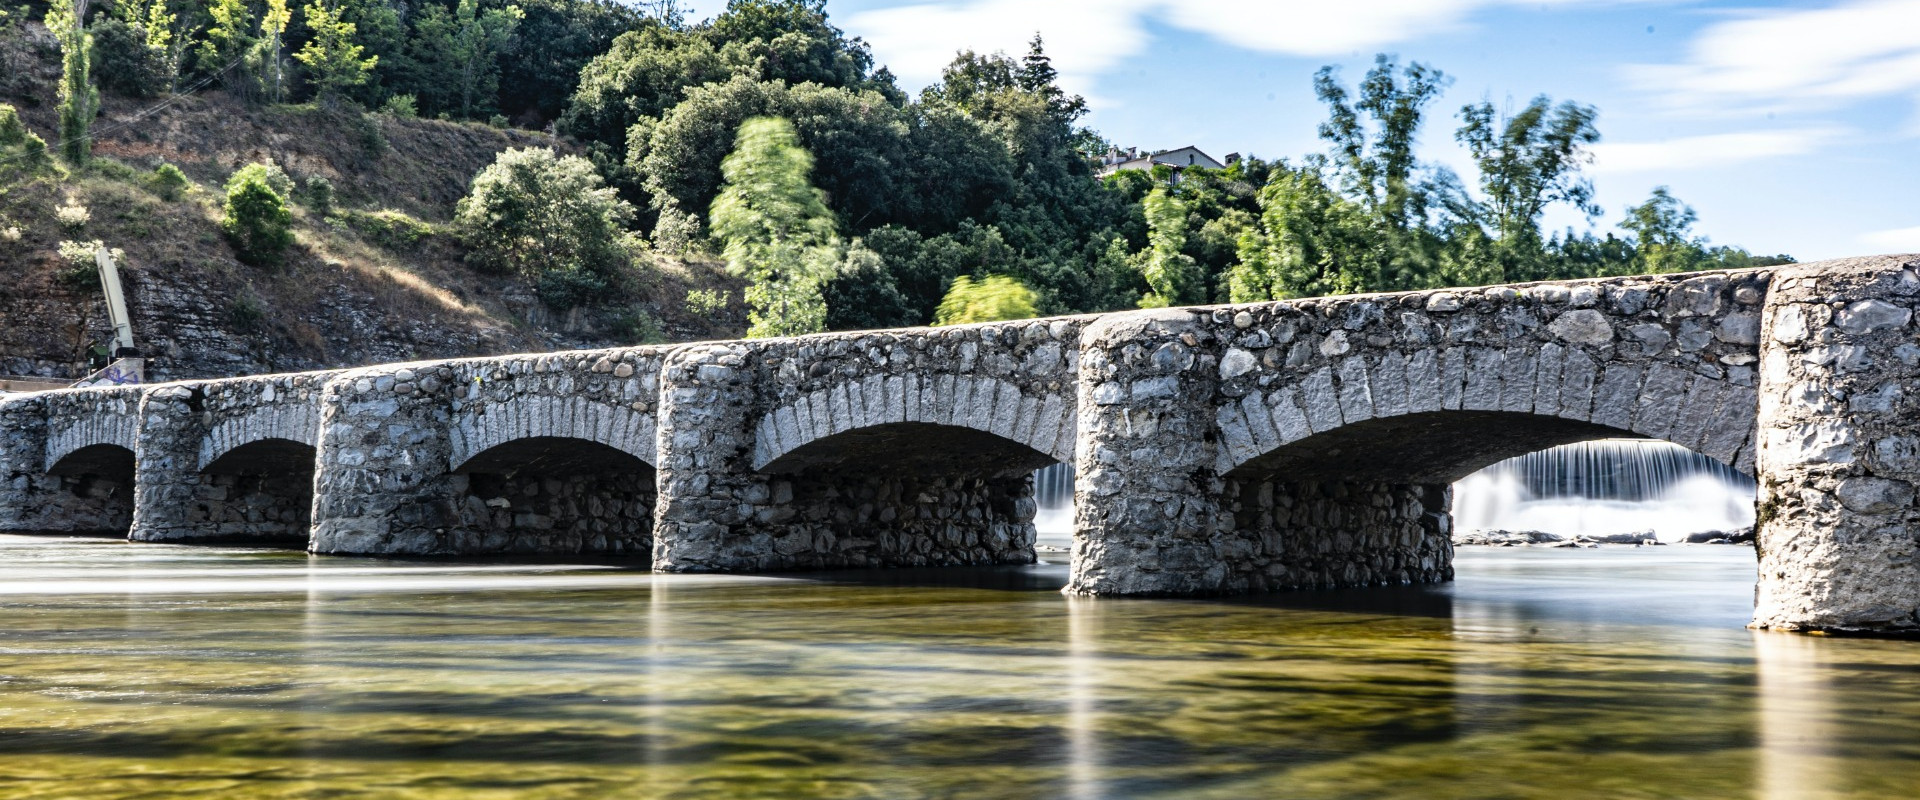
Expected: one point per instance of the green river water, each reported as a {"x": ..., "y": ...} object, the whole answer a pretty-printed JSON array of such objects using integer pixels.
[{"x": 150, "y": 671}]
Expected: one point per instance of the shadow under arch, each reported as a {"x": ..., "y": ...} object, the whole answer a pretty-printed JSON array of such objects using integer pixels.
[
  {"x": 1435, "y": 447},
  {"x": 1370, "y": 503},
  {"x": 908, "y": 494},
  {"x": 258, "y": 492},
  {"x": 96, "y": 489},
  {"x": 554, "y": 495}
]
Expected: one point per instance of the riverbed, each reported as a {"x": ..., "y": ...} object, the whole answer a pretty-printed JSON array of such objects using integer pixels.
[{"x": 155, "y": 671}]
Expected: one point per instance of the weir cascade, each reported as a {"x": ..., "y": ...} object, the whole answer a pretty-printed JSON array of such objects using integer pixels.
[{"x": 1215, "y": 450}]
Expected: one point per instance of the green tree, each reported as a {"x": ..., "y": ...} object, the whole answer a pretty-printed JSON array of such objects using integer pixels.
[
  {"x": 1526, "y": 163},
  {"x": 257, "y": 221},
  {"x": 332, "y": 57},
  {"x": 457, "y": 56},
  {"x": 551, "y": 218},
  {"x": 991, "y": 299},
  {"x": 1376, "y": 162},
  {"x": 1174, "y": 277},
  {"x": 776, "y": 229},
  {"x": 229, "y": 36},
  {"x": 164, "y": 42},
  {"x": 79, "y": 101},
  {"x": 267, "y": 59},
  {"x": 557, "y": 40},
  {"x": 1312, "y": 241}
]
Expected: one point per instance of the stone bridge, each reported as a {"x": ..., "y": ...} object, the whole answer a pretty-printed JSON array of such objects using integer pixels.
[{"x": 1230, "y": 449}]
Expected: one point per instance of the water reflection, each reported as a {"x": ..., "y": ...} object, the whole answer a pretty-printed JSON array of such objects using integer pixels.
[{"x": 1539, "y": 674}]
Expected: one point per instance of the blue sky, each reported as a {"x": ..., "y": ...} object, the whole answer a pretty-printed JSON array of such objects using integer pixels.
[{"x": 1789, "y": 127}]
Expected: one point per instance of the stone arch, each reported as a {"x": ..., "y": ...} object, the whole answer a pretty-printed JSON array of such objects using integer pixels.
[
  {"x": 295, "y": 424},
  {"x": 256, "y": 491},
  {"x": 1043, "y": 424},
  {"x": 120, "y": 430},
  {"x": 554, "y": 494},
  {"x": 548, "y": 417},
  {"x": 1425, "y": 405}
]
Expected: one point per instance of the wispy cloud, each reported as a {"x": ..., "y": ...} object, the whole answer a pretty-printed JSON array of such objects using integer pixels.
[
  {"x": 1704, "y": 152},
  {"x": 1898, "y": 240},
  {"x": 1790, "y": 60},
  {"x": 1086, "y": 38}
]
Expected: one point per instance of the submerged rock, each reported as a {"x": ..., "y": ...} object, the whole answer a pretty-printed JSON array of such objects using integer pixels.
[
  {"x": 1741, "y": 536},
  {"x": 1505, "y": 538}
]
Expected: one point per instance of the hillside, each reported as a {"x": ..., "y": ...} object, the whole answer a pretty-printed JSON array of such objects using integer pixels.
[{"x": 379, "y": 279}]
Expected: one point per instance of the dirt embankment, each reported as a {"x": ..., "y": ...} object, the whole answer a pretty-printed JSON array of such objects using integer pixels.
[{"x": 378, "y": 279}]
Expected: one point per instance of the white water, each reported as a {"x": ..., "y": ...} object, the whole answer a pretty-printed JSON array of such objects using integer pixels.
[
  {"x": 1592, "y": 488},
  {"x": 1605, "y": 487}
]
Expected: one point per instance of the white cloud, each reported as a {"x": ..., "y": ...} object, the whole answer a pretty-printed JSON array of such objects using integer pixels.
[
  {"x": 1898, "y": 240},
  {"x": 1086, "y": 38},
  {"x": 1783, "y": 60},
  {"x": 1704, "y": 152}
]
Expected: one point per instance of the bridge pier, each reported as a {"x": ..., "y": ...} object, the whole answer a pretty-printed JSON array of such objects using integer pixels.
[
  {"x": 67, "y": 462},
  {"x": 833, "y": 452},
  {"x": 1839, "y": 461}
]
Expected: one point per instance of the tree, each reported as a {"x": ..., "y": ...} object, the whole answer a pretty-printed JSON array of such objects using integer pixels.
[
  {"x": 267, "y": 60},
  {"x": 776, "y": 229},
  {"x": 165, "y": 46},
  {"x": 1311, "y": 241},
  {"x": 551, "y": 218},
  {"x": 1376, "y": 163},
  {"x": 79, "y": 101},
  {"x": 1173, "y": 275},
  {"x": 332, "y": 57},
  {"x": 1529, "y": 161},
  {"x": 557, "y": 39},
  {"x": 257, "y": 221},
  {"x": 230, "y": 35},
  {"x": 457, "y": 56},
  {"x": 991, "y": 299}
]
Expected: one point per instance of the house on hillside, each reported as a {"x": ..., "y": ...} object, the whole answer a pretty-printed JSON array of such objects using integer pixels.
[{"x": 1178, "y": 159}]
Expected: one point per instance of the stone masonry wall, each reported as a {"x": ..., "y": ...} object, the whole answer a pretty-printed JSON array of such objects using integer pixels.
[
  {"x": 229, "y": 460},
  {"x": 33, "y": 501},
  {"x": 1839, "y": 518},
  {"x": 395, "y": 440},
  {"x": 1340, "y": 534},
  {"x": 1666, "y": 357},
  {"x": 778, "y": 453}
]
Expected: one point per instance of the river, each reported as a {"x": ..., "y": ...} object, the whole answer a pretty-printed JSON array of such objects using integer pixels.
[{"x": 154, "y": 671}]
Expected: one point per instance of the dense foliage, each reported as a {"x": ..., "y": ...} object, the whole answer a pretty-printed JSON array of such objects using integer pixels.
[
  {"x": 552, "y": 219},
  {"x": 992, "y": 299},
  {"x": 770, "y": 136},
  {"x": 777, "y": 229},
  {"x": 257, "y": 221}
]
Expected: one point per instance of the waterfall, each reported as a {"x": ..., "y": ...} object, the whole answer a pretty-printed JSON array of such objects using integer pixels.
[
  {"x": 1604, "y": 487},
  {"x": 1053, "y": 494}
]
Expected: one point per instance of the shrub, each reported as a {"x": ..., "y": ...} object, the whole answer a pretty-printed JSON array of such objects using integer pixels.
[
  {"x": 318, "y": 196},
  {"x": 639, "y": 327},
  {"x": 991, "y": 299},
  {"x": 19, "y": 147},
  {"x": 403, "y": 106},
  {"x": 168, "y": 182},
  {"x": 569, "y": 288},
  {"x": 81, "y": 271},
  {"x": 550, "y": 218},
  {"x": 77, "y": 253},
  {"x": 244, "y": 312},
  {"x": 390, "y": 229},
  {"x": 73, "y": 216},
  {"x": 705, "y": 302},
  {"x": 257, "y": 221}
]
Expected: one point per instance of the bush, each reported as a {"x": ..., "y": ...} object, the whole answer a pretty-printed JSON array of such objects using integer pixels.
[
  {"x": 548, "y": 217},
  {"x": 168, "y": 182},
  {"x": 73, "y": 216},
  {"x": 244, "y": 312},
  {"x": 639, "y": 327},
  {"x": 403, "y": 106},
  {"x": 390, "y": 229},
  {"x": 257, "y": 221},
  {"x": 705, "y": 302},
  {"x": 992, "y": 299},
  {"x": 570, "y": 288},
  {"x": 20, "y": 148},
  {"x": 123, "y": 62},
  {"x": 318, "y": 196}
]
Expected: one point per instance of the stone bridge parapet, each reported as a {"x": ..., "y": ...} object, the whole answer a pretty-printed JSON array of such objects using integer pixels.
[{"x": 1244, "y": 448}]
